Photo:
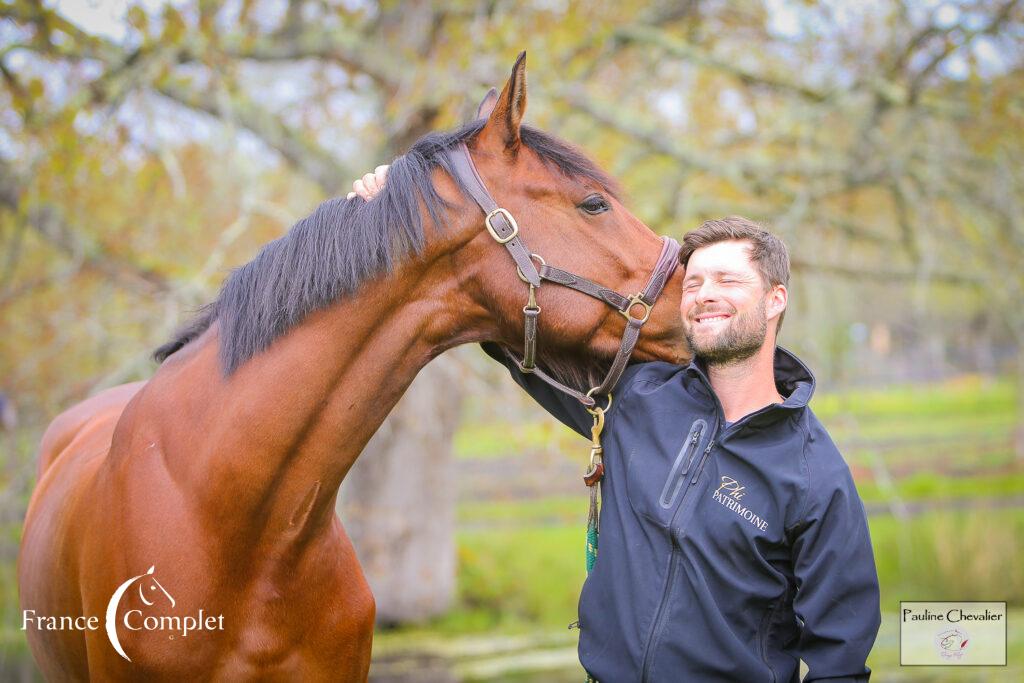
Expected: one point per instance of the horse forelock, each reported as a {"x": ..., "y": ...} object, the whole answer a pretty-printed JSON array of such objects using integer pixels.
[{"x": 343, "y": 243}]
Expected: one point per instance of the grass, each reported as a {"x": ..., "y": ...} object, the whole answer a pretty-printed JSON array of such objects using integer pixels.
[
  {"x": 554, "y": 510},
  {"x": 929, "y": 486}
]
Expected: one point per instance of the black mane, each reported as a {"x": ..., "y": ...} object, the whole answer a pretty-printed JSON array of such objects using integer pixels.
[{"x": 343, "y": 243}]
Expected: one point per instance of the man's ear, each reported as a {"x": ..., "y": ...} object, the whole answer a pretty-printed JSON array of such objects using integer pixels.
[
  {"x": 778, "y": 299},
  {"x": 502, "y": 128},
  {"x": 487, "y": 104}
]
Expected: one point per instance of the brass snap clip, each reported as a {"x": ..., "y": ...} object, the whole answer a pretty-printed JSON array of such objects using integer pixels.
[{"x": 595, "y": 472}]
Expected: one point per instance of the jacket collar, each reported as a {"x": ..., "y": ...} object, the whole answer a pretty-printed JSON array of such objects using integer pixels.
[{"x": 793, "y": 379}]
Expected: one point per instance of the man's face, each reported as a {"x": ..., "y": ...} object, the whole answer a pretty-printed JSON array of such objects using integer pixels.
[{"x": 724, "y": 306}]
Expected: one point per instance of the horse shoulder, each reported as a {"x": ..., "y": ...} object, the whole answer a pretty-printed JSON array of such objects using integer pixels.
[{"x": 105, "y": 407}]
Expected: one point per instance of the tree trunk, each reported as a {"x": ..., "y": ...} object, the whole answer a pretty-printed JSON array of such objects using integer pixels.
[{"x": 398, "y": 501}]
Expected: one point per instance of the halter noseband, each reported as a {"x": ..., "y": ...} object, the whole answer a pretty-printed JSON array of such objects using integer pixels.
[{"x": 503, "y": 228}]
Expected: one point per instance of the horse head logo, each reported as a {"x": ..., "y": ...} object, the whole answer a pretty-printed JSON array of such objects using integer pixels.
[{"x": 150, "y": 590}]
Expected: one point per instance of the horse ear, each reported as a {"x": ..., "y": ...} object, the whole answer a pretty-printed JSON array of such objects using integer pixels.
[
  {"x": 502, "y": 127},
  {"x": 487, "y": 104}
]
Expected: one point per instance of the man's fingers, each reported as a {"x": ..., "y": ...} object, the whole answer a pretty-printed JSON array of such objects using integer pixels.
[
  {"x": 360, "y": 189},
  {"x": 370, "y": 185},
  {"x": 350, "y": 195},
  {"x": 370, "y": 181}
]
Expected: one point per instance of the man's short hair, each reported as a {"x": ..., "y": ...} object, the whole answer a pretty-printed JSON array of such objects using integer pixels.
[{"x": 767, "y": 252}]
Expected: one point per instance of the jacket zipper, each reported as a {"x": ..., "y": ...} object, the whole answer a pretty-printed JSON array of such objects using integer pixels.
[
  {"x": 659, "y": 616},
  {"x": 681, "y": 467},
  {"x": 766, "y": 631},
  {"x": 703, "y": 457}
]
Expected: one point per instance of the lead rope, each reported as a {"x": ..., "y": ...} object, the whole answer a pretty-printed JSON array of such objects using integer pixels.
[{"x": 592, "y": 478}]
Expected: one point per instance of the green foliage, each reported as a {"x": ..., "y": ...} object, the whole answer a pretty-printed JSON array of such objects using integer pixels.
[
  {"x": 556, "y": 511},
  {"x": 520, "y": 578},
  {"x": 951, "y": 555},
  {"x": 495, "y": 439},
  {"x": 931, "y": 486}
]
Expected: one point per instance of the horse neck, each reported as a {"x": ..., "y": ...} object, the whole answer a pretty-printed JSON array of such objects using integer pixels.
[{"x": 277, "y": 436}]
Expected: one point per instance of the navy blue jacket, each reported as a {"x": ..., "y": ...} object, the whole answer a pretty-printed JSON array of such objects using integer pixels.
[{"x": 727, "y": 553}]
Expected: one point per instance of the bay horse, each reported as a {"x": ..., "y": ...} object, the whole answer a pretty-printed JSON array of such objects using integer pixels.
[{"x": 222, "y": 470}]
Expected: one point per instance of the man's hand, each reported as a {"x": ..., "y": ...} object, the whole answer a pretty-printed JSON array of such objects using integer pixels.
[{"x": 370, "y": 185}]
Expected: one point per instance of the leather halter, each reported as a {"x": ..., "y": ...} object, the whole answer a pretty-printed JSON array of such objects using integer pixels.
[{"x": 503, "y": 228}]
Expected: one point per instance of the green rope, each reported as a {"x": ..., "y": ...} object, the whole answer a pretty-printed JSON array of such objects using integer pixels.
[
  {"x": 593, "y": 478},
  {"x": 592, "y": 535}
]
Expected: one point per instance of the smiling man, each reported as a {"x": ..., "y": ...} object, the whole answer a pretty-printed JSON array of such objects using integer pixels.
[{"x": 733, "y": 541}]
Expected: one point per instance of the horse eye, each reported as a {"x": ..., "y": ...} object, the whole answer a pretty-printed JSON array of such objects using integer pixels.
[{"x": 594, "y": 204}]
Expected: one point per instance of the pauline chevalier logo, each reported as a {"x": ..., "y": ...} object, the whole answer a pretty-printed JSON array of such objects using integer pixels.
[
  {"x": 936, "y": 633},
  {"x": 952, "y": 643},
  {"x": 150, "y": 591}
]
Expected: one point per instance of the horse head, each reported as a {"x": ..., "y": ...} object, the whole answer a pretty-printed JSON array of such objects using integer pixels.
[
  {"x": 150, "y": 590},
  {"x": 569, "y": 215}
]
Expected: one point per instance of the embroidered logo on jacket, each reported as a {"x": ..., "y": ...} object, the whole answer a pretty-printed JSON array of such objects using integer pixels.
[{"x": 729, "y": 493}]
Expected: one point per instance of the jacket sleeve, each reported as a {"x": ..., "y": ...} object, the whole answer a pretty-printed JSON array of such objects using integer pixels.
[
  {"x": 837, "y": 594},
  {"x": 567, "y": 409}
]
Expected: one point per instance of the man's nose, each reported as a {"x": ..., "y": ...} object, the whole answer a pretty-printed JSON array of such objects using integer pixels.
[{"x": 707, "y": 292}]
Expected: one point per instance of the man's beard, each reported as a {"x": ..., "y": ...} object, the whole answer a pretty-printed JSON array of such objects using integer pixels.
[{"x": 742, "y": 337}]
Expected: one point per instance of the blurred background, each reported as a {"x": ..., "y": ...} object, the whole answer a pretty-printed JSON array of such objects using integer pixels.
[{"x": 148, "y": 147}]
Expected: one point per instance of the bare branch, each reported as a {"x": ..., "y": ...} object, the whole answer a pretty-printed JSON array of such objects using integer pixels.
[
  {"x": 300, "y": 151},
  {"x": 49, "y": 225},
  {"x": 338, "y": 46},
  {"x": 681, "y": 49}
]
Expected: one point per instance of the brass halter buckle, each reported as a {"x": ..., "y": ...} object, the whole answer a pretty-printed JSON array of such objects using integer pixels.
[
  {"x": 508, "y": 217},
  {"x": 637, "y": 300}
]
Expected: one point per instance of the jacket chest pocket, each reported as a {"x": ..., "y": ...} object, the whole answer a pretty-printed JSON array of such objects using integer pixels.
[{"x": 657, "y": 481}]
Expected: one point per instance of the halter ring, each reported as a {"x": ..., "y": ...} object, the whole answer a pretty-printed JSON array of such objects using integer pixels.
[
  {"x": 519, "y": 271},
  {"x": 637, "y": 300},
  {"x": 595, "y": 411}
]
